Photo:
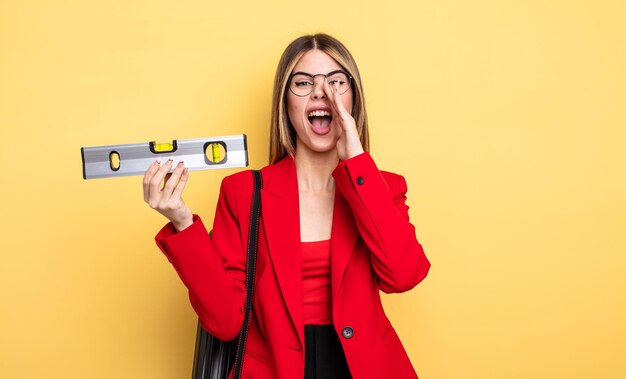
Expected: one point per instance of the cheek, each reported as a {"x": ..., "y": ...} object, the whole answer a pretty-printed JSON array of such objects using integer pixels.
[
  {"x": 294, "y": 110},
  {"x": 348, "y": 101}
]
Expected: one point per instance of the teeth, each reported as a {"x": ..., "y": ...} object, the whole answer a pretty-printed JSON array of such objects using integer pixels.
[{"x": 319, "y": 113}]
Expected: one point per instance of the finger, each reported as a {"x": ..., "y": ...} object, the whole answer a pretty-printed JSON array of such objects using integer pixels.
[
  {"x": 155, "y": 181},
  {"x": 178, "y": 191},
  {"x": 342, "y": 110},
  {"x": 171, "y": 180},
  {"x": 329, "y": 94},
  {"x": 165, "y": 180},
  {"x": 335, "y": 99},
  {"x": 147, "y": 177}
]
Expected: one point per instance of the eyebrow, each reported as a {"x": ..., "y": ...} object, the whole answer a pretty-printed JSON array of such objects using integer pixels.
[{"x": 311, "y": 75}]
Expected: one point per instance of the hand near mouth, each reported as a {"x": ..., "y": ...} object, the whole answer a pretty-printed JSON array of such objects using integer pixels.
[{"x": 348, "y": 144}]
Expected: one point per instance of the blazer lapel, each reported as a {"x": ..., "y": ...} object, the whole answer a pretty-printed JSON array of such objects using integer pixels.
[
  {"x": 343, "y": 237},
  {"x": 281, "y": 218}
]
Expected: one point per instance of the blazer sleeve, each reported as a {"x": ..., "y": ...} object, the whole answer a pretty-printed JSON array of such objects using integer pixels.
[
  {"x": 211, "y": 265},
  {"x": 382, "y": 218}
]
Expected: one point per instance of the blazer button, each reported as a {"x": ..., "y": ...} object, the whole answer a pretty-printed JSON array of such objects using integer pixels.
[
  {"x": 360, "y": 180},
  {"x": 347, "y": 332}
]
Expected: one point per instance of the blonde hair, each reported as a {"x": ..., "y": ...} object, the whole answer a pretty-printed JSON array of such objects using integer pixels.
[{"x": 282, "y": 133}]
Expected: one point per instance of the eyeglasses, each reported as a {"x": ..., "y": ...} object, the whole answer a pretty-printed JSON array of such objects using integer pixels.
[{"x": 302, "y": 84}]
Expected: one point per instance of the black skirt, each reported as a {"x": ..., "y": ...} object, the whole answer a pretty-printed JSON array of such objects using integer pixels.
[{"x": 324, "y": 357}]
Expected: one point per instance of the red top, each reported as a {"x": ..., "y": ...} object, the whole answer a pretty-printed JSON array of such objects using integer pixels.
[{"x": 316, "y": 285}]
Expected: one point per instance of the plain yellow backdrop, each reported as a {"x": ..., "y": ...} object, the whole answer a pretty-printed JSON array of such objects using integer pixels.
[{"x": 506, "y": 117}]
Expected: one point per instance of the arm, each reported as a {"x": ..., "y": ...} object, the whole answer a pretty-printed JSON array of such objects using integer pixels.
[
  {"x": 382, "y": 217},
  {"x": 212, "y": 267}
]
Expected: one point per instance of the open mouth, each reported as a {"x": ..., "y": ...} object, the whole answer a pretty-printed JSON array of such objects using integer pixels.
[{"x": 320, "y": 121}]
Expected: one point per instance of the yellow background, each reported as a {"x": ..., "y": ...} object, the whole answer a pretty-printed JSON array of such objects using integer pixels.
[{"x": 506, "y": 117}]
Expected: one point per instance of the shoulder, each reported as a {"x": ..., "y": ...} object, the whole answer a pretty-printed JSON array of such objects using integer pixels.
[
  {"x": 364, "y": 165},
  {"x": 236, "y": 190},
  {"x": 238, "y": 179},
  {"x": 395, "y": 182},
  {"x": 392, "y": 178},
  {"x": 242, "y": 182}
]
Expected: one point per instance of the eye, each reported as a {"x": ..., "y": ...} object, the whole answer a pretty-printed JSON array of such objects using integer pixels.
[
  {"x": 303, "y": 83},
  {"x": 338, "y": 78}
]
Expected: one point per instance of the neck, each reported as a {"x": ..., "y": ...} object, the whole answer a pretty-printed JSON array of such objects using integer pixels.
[{"x": 315, "y": 170}]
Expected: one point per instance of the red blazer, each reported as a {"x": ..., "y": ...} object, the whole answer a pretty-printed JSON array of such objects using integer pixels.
[{"x": 373, "y": 248}]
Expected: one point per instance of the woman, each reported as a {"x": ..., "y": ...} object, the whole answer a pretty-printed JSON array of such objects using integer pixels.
[{"x": 334, "y": 232}]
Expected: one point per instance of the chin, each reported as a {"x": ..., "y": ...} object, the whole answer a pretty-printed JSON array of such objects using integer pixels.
[{"x": 326, "y": 146}]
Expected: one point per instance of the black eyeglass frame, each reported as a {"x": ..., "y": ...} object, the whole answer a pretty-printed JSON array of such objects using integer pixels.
[{"x": 350, "y": 79}]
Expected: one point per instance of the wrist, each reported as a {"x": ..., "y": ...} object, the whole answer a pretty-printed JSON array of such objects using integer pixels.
[
  {"x": 354, "y": 152},
  {"x": 183, "y": 223}
]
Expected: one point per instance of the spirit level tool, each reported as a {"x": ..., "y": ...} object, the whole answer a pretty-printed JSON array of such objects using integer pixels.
[{"x": 135, "y": 158}]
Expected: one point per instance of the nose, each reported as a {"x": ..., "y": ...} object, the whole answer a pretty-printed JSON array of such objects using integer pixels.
[{"x": 318, "y": 88}]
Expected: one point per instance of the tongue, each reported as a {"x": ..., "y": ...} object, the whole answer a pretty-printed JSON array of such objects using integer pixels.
[{"x": 320, "y": 123}]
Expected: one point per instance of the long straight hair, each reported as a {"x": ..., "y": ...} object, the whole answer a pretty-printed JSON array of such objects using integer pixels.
[{"x": 282, "y": 132}]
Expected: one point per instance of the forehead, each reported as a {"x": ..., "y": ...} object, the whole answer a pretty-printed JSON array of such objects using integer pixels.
[{"x": 316, "y": 62}]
